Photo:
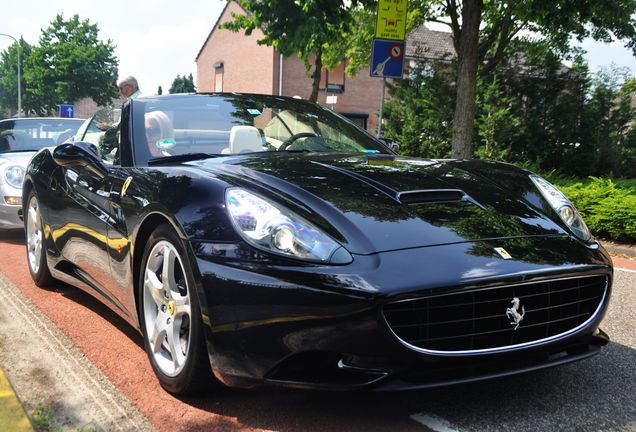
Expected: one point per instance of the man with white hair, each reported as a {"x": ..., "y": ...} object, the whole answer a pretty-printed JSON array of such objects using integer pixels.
[{"x": 128, "y": 87}]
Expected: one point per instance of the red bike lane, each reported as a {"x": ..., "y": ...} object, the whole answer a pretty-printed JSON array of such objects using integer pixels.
[
  {"x": 624, "y": 263},
  {"x": 116, "y": 348}
]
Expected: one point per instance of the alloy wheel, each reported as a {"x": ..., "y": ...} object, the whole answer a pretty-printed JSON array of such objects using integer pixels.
[
  {"x": 167, "y": 312},
  {"x": 34, "y": 235}
]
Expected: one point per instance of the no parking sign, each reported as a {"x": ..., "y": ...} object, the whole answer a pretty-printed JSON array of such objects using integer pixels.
[{"x": 387, "y": 58}]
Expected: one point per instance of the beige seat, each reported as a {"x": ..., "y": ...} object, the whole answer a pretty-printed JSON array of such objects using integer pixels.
[{"x": 245, "y": 139}]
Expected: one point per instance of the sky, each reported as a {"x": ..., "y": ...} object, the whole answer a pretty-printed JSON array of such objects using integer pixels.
[{"x": 156, "y": 40}]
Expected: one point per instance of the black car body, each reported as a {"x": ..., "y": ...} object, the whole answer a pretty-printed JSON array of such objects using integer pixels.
[{"x": 316, "y": 257}]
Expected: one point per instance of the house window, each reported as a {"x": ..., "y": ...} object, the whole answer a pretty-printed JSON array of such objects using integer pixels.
[
  {"x": 359, "y": 119},
  {"x": 218, "y": 77},
  {"x": 333, "y": 80}
]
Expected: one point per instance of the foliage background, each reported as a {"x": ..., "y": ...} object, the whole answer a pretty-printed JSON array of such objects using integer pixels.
[
  {"x": 70, "y": 63},
  {"x": 532, "y": 110},
  {"x": 608, "y": 206}
]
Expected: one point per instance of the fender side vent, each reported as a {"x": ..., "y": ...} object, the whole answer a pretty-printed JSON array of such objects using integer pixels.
[{"x": 430, "y": 196}]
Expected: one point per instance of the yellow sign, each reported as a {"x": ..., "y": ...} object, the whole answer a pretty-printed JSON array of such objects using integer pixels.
[
  {"x": 391, "y": 22},
  {"x": 503, "y": 253}
]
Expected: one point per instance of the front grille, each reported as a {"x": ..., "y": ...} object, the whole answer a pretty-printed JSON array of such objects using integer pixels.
[{"x": 476, "y": 319}]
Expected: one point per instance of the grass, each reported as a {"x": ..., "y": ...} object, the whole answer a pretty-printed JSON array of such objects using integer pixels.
[
  {"x": 3, "y": 340},
  {"x": 42, "y": 417},
  {"x": 42, "y": 420}
]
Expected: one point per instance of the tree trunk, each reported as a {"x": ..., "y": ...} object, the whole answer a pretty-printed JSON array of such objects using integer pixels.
[
  {"x": 467, "y": 59},
  {"x": 316, "y": 76}
]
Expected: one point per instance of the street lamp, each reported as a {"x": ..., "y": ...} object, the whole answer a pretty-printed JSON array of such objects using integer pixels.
[{"x": 19, "y": 77}]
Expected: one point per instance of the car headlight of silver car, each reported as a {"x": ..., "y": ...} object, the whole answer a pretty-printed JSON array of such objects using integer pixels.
[
  {"x": 14, "y": 175},
  {"x": 564, "y": 208},
  {"x": 278, "y": 230}
]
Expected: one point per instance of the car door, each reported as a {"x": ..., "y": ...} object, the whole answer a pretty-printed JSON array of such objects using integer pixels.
[{"x": 83, "y": 192}]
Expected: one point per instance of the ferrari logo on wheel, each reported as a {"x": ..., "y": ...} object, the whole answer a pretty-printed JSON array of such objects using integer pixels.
[{"x": 171, "y": 307}]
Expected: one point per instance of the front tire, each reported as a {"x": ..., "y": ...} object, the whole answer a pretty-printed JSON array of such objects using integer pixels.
[
  {"x": 171, "y": 317},
  {"x": 35, "y": 247}
]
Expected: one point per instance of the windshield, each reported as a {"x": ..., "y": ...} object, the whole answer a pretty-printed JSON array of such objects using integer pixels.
[
  {"x": 33, "y": 134},
  {"x": 235, "y": 124}
]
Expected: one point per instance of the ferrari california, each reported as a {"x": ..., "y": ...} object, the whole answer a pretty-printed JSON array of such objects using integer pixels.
[{"x": 268, "y": 240}]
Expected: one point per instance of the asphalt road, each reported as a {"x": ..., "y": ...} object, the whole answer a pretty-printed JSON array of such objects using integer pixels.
[{"x": 598, "y": 394}]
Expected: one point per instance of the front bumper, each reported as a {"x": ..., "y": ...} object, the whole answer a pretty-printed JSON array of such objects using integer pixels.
[
  {"x": 10, "y": 215},
  {"x": 311, "y": 326}
]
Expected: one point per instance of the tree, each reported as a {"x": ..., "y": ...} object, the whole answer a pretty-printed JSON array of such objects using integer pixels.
[
  {"x": 9, "y": 79},
  {"x": 483, "y": 31},
  {"x": 495, "y": 120},
  {"x": 419, "y": 113},
  {"x": 71, "y": 63},
  {"x": 532, "y": 110},
  {"x": 183, "y": 84},
  {"x": 501, "y": 22},
  {"x": 301, "y": 27}
]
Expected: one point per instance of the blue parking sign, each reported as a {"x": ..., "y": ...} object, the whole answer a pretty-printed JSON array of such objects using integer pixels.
[
  {"x": 67, "y": 111},
  {"x": 387, "y": 58}
]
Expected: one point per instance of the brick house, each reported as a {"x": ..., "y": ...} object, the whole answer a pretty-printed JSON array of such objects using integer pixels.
[{"x": 234, "y": 62}]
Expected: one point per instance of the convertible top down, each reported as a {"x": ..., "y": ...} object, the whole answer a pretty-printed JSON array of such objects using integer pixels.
[{"x": 269, "y": 240}]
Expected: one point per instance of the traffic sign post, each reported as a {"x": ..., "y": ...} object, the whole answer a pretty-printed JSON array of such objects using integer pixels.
[
  {"x": 67, "y": 111},
  {"x": 387, "y": 54}
]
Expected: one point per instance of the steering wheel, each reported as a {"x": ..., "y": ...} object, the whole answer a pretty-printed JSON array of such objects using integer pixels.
[{"x": 292, "y": 139}]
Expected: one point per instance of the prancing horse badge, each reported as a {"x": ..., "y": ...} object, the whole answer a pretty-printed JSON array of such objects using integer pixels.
[{"x": 503, "y": 253}]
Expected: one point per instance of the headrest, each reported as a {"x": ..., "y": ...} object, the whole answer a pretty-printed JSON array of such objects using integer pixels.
[{"x": 245, "y": 139}]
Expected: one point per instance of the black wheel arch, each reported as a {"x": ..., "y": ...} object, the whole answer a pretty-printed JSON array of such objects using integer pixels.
[{"x": 149, "y": 224}]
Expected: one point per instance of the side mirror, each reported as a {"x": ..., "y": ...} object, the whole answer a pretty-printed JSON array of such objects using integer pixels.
[{"x": 80, "y": 154}]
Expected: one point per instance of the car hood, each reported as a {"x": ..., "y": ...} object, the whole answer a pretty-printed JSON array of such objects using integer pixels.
[
  {"x": 18, "y": 158},
  {"x": 378, "y": 203}
]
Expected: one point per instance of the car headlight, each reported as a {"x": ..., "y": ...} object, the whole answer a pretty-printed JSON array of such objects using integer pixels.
[
  {"x": 14, "y": 175},
  {"x": 564, "y": 208},
  {"x": 278, "y": 230}
]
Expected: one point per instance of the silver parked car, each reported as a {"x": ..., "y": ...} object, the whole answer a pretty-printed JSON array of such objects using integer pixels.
[{"x": 20, "y": 139}]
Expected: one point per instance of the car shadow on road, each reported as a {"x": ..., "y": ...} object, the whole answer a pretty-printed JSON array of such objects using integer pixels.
[
  {"x": 596, "y": 394},
  {"x": 89, "y": 302},
  {"x": 14, "y": 236}
]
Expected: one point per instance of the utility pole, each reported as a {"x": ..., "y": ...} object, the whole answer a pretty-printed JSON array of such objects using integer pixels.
[{"x": 379, "y": 133}]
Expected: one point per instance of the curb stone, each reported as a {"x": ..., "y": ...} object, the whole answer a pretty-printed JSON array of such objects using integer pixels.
[
  {"x": 46, "y": 368},
  {"x": 629, "y": 251}
]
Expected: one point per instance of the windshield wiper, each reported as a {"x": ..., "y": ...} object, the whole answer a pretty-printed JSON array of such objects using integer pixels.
[{"x": 181, "y": 158}]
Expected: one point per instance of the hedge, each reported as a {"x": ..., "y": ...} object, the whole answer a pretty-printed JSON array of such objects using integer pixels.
[{"x": 608, "y": 206}]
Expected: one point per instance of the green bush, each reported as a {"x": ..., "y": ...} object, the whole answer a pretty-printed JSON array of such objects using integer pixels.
[{"x": 608, "y": 207}]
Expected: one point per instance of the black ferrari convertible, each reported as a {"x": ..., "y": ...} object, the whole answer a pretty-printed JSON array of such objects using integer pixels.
[{"x": 263, "y": 239}]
